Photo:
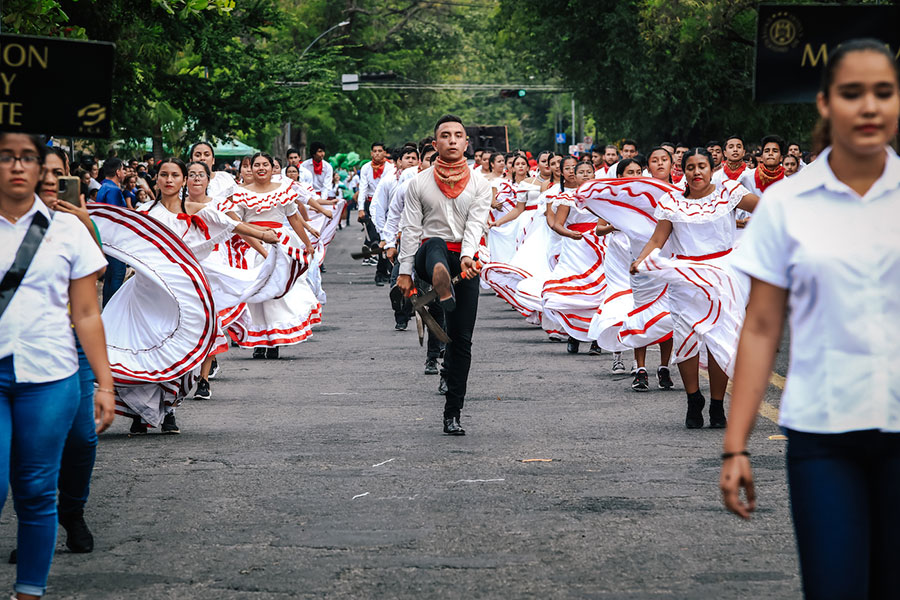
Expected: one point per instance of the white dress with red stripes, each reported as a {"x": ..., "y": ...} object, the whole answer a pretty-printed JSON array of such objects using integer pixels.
[
  {"x": 628, "y": 204},
  {"x": 288, "y": 319},
  {"x": 707, "y": 299},
  {"x": 161, "y": 323},
  {"x": 575, "y": 288},
  {"x": 503, "y": 277}
]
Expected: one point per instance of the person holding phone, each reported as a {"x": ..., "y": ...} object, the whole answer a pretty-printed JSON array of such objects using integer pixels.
[{"x": 55, "y": 267}]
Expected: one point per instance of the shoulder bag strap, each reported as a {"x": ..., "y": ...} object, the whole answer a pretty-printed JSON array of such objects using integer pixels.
[{"x": 24, "y": 255}]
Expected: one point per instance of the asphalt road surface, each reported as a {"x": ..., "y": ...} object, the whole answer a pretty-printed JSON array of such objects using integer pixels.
[{"x": 325, "y": 475}]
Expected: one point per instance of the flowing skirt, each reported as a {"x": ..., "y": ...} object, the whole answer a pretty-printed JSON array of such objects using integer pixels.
[{"x": 576, "y": 287}]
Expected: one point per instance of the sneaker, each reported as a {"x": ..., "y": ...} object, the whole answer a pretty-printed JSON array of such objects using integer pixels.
[
  {"x": 594, "y": 349},
  {"x": 431, "y": 367},
  {"x": 259, "y": 353},
  {"x": 78, "y": 537},
  {"x": 272, "y": 352},
  {"x": 442, "y": 386},
  {"x": 618, "y": 367},
  {"x": 214, "y": 369},
  {"x": 137, "y": 426},
  {"x": 202, "y": 392},
  {"x": 169, "y": 425},
  {"x": 641, "y": 381},
  {"x": 634, "y": 368},
  {"x": 401, "y": 326},
  {"x": 664, "y": 378}
]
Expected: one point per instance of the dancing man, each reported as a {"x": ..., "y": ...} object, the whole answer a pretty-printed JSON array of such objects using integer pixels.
[{"x": 443, "y": 221}]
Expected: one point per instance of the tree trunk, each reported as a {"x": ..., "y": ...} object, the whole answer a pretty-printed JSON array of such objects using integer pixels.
[
  {"x": 158, "y": 153},
  {"x": 301, "y": 147},
  {"x": 282, "y": 142}
]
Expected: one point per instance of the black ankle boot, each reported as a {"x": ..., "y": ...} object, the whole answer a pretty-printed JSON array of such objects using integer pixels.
[
  {"x": 694, "y": 418},
  {"x": 717, "y": 414},
  {"x": 78, "y": 536}
]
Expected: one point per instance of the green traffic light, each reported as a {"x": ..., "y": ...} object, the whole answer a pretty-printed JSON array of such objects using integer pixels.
[{"x": 521, "y": 93}]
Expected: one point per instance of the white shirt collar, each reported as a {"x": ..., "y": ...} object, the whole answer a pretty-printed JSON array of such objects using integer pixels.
[
  {"x": 819, "y": 173},
  {"x": 38, "y": 205}
]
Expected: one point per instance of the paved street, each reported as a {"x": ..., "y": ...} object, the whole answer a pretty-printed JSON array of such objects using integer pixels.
[{"x": 325, "y": 475}]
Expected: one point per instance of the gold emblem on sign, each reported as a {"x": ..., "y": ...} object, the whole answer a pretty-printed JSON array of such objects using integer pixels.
[
  {"x": 782, "y": 31},
  {"x": 92, "y": 114}
]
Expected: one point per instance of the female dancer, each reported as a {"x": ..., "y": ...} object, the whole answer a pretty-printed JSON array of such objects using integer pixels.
[
  {"x": 230, "y": 286},
  {"x": 706, "y": 302},
  {"x": 287, "y": 320},
  {"x": 840, "y": 407},
  {"x": 505, "y": 228},
  {"x": 221, "y": 184},
  {"x": 572, "y": 293},
  {"x": 791, "y": 165}
]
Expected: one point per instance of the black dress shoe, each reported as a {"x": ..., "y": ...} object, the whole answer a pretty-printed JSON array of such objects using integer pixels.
[
  {"x": 78, "y": 537},
  {"x": 452, "y": 426},
  {"x": 396, "y": 296},
  {"x": 272, "y": 352},
  {"x": 572, "y": 346}
]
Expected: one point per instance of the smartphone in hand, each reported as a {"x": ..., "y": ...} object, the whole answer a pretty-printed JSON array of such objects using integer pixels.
[{"x": 70, "y": 190}]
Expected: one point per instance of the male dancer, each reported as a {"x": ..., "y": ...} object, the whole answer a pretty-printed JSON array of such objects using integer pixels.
[
  {"x": 320, "y": 170},
  {"x": 369, "y": 176},
  {"x": 443, "y": 221},
  {"x": 734, "y": 166}
]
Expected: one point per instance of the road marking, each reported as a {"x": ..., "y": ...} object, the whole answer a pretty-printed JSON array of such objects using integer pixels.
[
  {"x": 359, "y": 496},
  {"x": 384, "y": 463},
  {"x": 766, "y": 410},
  {"x": 475, "y": 480}
]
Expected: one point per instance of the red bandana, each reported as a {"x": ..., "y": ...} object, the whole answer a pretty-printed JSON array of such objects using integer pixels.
[
  {"x": 451, "y": 178},
  {"x": 377, "y": 171},
  {"x": 194, "y": 220},
  {"x": 733, "y": 175},
  {"x": 317, "y": 167},
  {"x": 764, "y": 177},
  {"x": 677, "y": 175}
]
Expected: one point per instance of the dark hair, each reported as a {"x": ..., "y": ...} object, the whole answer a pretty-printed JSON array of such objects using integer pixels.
[
  {"x": 623, "y": 164},
  {"x": 799, "y": 147},
  {"x": 59, "y": 153},
  {"x": 315, "y": 147},
  {"x": 110, "y": 166},
  {"x": 477, "y": 150},
  {"x": 627, "y": 142},
  {"x": 562, "y": 163},
  {"x": 247, "y": 158},
  {"x": 202, "y": 164},
  {"x": 681, "y": 145},
  {"x": 641, "y": 160},
  {"x": 425, "y": 142},
  {"x": 407, "y": 150},
  {"x": 656, "y": 149},
  {"x": 492, "y": 156},
  {"x": 661, "y": 144},
  {"x": 734, "y": 137},
  {"x": 774, "y": 139},
  {"x": 713, "y": 143},
  {"x": 172, "y": 160},
  {"x": 201, "y": 143},
  {"x": 291, "y": 167},
  {"x": 821, "y": 134},
  {"x": 694, "y": 152},
  {"x": 265, "y": 155},
  {"x": 792, "y": 157},
  {"x": 375, "y": 144},
  {"x": 291, "y": 151},
  {"x": 613, "y": 146},
  {"x": 426, "y": 151},
  {"x": 543, "y": 152},
  {"x": 447, "y": 119},
  {"x": 513, "y": 169}
]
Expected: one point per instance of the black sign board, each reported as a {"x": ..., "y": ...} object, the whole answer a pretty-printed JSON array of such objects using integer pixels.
[
  {"x": 793, "y": 42},
  {"x": 491, "y": 137},
  {"x": 55, "y": 86}
]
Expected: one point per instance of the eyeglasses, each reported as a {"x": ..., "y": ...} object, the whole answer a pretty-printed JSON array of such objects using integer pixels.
[
  {"x": 196, "y": 175},
  {"x": 27, "y": 160}
]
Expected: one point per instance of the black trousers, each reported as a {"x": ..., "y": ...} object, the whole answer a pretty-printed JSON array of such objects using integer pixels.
[
  {"x": 383, "y": 270},
  {"x": 405, "y": 313},
  {"x": 459, "y": 324}
]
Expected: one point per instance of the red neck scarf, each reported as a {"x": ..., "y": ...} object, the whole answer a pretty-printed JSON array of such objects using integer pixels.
[
  {"x": 377, "y": 170},
  {"x": 677, "y": 174},
  {"x": 764, "y": 177},
  {"x": 195, "y": 221},
  {"x": 733, "y": 175},
  {"x": 317, "y": 166},
  {"x": 451, "y": 178}
]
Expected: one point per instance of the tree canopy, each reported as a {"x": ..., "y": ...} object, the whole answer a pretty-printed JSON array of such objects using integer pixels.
[{"x": 646, "y": 69}]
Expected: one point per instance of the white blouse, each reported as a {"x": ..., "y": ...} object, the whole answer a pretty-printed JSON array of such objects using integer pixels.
[
  {"x": 36, "y": 329},
  {"x": 701, "y": 226},
  {"x": 838, "y": 255}
]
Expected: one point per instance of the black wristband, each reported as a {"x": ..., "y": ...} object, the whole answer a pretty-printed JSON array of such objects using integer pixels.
[{"x": 727, "y": 455}]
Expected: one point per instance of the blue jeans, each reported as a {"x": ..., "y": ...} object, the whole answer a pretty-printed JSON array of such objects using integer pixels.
[
  {"x": 81, "y": 445},
  {"x": 845, "y": 493},
  {"x": 35, "y": 419},
  {"x": 114, "y": 277}
]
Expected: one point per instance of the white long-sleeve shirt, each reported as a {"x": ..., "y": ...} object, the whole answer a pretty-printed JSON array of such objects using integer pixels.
[
  {"x": 396, "y": 204},
  {"x": 368, "y": 183},
  {"x": 321, "y": 183},
  {"x": 380, "y": 201},
  {"x": 429, "y": 213}
]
